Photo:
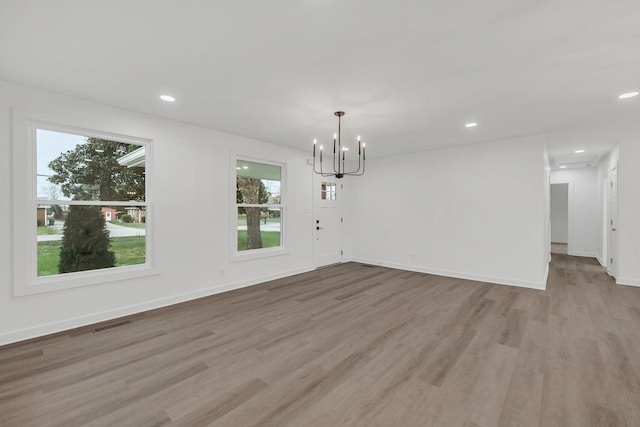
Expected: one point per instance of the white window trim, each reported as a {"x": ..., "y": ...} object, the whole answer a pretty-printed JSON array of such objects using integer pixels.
[
  {"x": 25, "y": 201},
  {"x": 251, "y": 254}
]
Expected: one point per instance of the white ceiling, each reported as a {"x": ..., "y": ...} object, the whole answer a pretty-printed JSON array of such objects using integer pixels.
[{"x": 409, "y": 74}]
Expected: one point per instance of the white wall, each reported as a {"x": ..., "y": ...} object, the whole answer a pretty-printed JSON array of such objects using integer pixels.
[
  {"x": 559, "y": 213},
  {"x": 629, "y": 213},
  {"x": 477, "y": 211},
  {"x": 585, "y": 230},
  {"x": 192, "y": 174}
]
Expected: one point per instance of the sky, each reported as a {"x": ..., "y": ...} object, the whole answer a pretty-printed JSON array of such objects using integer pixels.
[{"x": 50, "y": 145}]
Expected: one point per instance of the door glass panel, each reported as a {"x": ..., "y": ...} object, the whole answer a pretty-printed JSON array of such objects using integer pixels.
[{"x": 328, "y": 191}]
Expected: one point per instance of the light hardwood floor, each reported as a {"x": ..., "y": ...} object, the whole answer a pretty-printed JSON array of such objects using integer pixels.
[{"x": 349, "y": 345}]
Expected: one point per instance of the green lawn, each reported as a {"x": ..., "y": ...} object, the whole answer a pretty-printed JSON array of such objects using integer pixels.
[
  {"x": 270, "y": 239},
  {"x": 42, "y": 231},
  {"x": 129, "y": 251}
]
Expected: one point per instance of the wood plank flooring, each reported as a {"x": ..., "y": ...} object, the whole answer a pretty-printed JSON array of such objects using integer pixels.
[{"x": 349, "y": 345}]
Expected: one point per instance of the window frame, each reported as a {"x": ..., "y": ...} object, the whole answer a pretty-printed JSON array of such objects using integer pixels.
[
  {"x": 25, "y": 262},
  {"x": 249, "y": 254}
]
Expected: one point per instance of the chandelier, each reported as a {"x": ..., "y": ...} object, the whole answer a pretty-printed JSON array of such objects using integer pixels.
[{"x": 339, "y": 156}]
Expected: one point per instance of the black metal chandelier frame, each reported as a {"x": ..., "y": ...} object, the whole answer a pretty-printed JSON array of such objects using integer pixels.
[{"x": 339, "y": 155}]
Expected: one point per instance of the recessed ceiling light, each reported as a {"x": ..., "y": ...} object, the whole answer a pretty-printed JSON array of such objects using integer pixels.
[
  {"x": 167, "y": 98},
  {"x": 245, "y": 167},
  {"x": 471, "y": 125},
  {"x": 563, "y": 167},
  {"x": 628, "y": 95},
  {"x": 579, "y": 151}
]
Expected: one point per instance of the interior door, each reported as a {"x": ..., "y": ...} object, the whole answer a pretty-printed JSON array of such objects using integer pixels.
[
  {"x": 327, "y": 221},
  {"x": 612, "y": 265}
]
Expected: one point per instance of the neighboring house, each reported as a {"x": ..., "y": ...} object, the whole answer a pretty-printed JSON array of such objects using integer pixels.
[
  {"x": 137, "y": 214},
  {"x": 43, "y": 216},
  {"x": 109, "y": 214},
  {"x": 134, "y": 159}
]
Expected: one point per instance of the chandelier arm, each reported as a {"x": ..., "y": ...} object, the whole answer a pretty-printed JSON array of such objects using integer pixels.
[
  {"x": 336, "y": 159},
  {"x": 363, "y": 164},
  {"x": 320, "y": 172},
  {"x": 357, "y": 172},
  {"x": 361, "y": 173}
]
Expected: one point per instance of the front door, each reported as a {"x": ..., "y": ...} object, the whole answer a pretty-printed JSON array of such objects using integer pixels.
[{"x": 327, "y": 221}]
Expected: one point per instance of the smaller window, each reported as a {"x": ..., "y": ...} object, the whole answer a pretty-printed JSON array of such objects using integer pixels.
[
  {"x": 259, "y": 205},
  {"x": 328, "y": 191}
]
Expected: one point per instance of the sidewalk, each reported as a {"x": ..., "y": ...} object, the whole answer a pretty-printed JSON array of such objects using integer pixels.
[
  {"x": 114, "y": 231},
  {"x": 270, "y": 226}
]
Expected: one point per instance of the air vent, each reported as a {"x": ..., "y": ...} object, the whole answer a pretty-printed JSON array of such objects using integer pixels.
[{"x": 111, "y": 326}]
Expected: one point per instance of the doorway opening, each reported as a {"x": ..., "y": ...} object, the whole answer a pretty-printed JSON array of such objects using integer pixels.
[
  {"x": 560, "y": 218},
  {"x": 612, "y": 223}
]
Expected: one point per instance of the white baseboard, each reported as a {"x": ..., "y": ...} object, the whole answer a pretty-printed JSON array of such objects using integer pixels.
[
  {"x": 459, "y": 275},
  {"x": 583, "y": 254},
  {"x": 628, "y": 282},
  {"x": 77, "y": 322},
  {"x": 600, "y": 260}
]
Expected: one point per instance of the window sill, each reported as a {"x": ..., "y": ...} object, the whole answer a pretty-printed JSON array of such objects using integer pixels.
[
  {"x": 258, "y": 253},
  {"x": 80, "y": 279}
]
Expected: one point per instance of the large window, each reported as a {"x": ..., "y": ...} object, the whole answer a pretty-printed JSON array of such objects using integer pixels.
[
  {"x": 81, "y": 205},
  {"x": 90, "y": 203},
  {"x": 259, "y": 206}
]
